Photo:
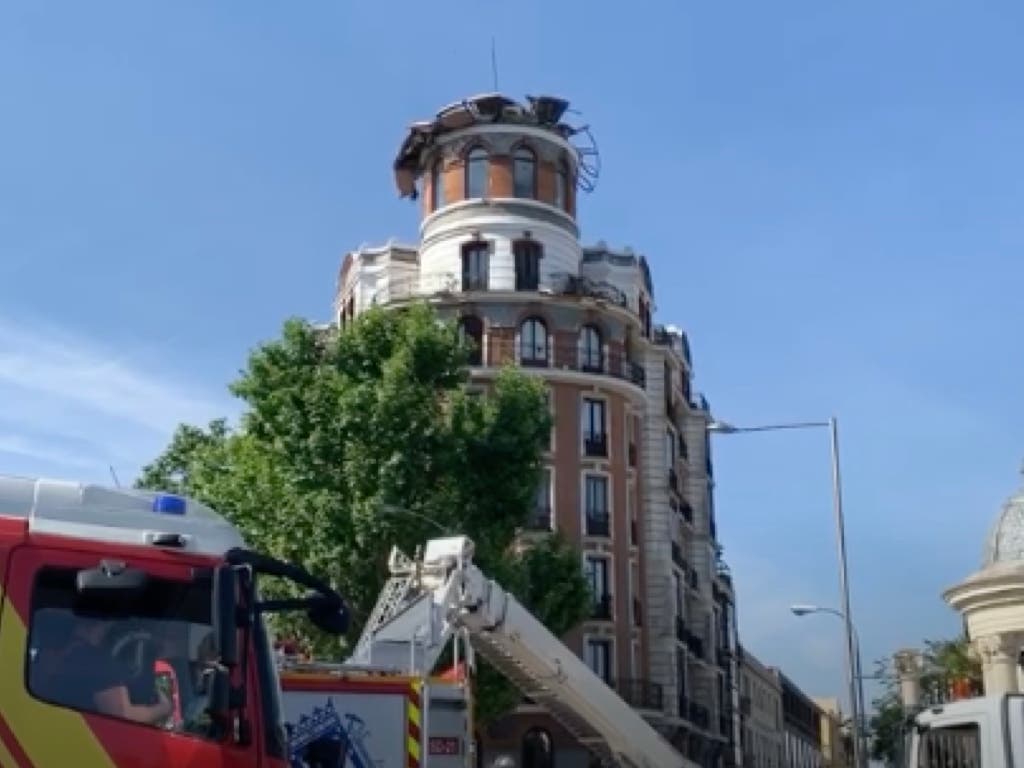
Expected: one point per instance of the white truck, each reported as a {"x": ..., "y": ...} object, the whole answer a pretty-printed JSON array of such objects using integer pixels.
[
  {"x": 980, "y": 732},
  {"x": 442, "y": 597}
]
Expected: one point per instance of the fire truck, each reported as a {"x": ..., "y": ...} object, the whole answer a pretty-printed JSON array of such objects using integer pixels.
[
  {"x": 441, "y": 599},
  {"x": 132, "y": 633},
  {"x": 132, "y": 636}
]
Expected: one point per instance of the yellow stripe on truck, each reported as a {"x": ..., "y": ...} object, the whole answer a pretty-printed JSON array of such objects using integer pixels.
[
  {"x": 49, "y": 735},
  {"x": 413, "y": 737}
]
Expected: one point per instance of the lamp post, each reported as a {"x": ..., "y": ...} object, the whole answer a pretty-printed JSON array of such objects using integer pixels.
[
  {"x": 805, "y": 610},
  {"x": 722, "y": 427}
]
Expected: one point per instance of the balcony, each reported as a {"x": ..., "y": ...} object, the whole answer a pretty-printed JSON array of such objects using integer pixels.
[
  {"x": 539, "y": 520},
  {"x": 598, "y": 524},
  {"x": 595, "y": 446},
  {"x": 602, "y": 610},
  {"x": 641, "y": 694},
  {"x": 566, "y": 357}
]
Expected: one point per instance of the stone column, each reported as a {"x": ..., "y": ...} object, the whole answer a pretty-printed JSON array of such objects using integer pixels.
[
  {"x": 999, "y": 659},
  {"x": 908, "y": 670}
]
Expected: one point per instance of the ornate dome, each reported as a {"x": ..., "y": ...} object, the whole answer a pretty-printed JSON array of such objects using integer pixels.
[{"x": 1006, "y": 539}]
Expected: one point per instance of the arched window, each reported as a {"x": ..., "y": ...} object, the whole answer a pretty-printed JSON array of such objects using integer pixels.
[
  {"x": 471, "y": 334},
  {"x": 437, "y": 183},
  {"x": 533, "y": 342},
  {"x": 538, "y": 749},
  {"x": 477, "y": 163},
  {"x": 562, "y": 184},
  {"x": 524, "y": 173},
  {"x": 591, "y": 358}
]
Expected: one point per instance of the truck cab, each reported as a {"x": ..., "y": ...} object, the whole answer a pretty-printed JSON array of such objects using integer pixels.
[
  {"x": 131, "y": 632},
  {"x": 982, "y": 732}
]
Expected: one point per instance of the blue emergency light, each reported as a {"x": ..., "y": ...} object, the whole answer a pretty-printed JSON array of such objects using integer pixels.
[{"x": 168, "y": 504}]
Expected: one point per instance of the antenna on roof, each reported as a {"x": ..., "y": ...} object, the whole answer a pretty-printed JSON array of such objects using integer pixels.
[
  {"x": 494, "y": 63},
  {"x": 113, "y": 474}
]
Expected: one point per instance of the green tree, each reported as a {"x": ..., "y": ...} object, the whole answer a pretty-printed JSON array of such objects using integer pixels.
[
  {"x": 943, "y": 662},
  {"x": 358, "y": 439}
]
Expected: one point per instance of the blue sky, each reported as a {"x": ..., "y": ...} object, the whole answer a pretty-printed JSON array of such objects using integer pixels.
[{"x": 829, "y": 197}]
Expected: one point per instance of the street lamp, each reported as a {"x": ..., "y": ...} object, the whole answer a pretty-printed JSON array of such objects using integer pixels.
[
  {"x": 805, "y": 610},
  {"x": 723, "y": 427}
]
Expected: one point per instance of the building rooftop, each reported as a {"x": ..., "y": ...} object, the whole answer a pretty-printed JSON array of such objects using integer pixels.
[{"x": 539, "y": 112}]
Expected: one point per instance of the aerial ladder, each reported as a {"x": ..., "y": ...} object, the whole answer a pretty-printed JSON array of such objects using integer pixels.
[{"x": 442, "y": 595}]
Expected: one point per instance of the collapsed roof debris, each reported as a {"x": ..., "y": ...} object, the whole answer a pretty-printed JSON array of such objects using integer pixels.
[{"x": 540, "y": 111}]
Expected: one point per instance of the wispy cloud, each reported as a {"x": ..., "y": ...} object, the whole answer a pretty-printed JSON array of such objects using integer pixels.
[{"x": 70, "y": 404}]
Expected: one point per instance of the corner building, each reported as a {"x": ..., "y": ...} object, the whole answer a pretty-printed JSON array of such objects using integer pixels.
[{"x": 628, "y": 471}]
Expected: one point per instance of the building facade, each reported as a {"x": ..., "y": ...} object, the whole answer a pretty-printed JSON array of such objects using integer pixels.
[
  {"x": 761, "y": 734},
  {"x": 801, "y": 726},
  {"x": 836, "y": 744},
  {"x": 628, "y": 474}
]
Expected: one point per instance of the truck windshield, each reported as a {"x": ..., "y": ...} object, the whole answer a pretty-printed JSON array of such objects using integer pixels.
[{"x": 139, "y": 658}]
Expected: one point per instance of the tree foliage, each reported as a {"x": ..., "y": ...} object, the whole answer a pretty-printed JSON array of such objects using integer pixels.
[
  {"x": 357, "y": 439},
  {"x": 943, "y": 662}
]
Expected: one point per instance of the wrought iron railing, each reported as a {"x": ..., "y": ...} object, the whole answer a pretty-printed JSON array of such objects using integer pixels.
[
  {"x": 602, "y": 609},
  {"x": 598, "y": 525},
  {"x": 566, "y": 357},
  {"x": 641, "y": 694}
]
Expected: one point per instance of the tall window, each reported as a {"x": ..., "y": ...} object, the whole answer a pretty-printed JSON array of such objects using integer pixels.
[
  {"x": 670, "y": 449},
  {"x": 538, "y": 749},
  {"x": 476, "y": 257},
  {"x": 524, "y": 173},
  {"x": 597, "y": 576},
  {"x": 590, "y": 349},
  {"x": 596, "y": 505},
  {"x": 542, "y": 504},
  {"x": 681, "y": 676},
  {"x": 477, "y": 164},
  {"x": 595, "y": 438},
  {"x": 599, "y": 657},
  {"x": 533, "y": 342},
  {"x": 527, "y": 254},
  {"x": 437, "y": 183},
  {"x": 562, "y": 183},
  {"x": 471, "y": 334}
]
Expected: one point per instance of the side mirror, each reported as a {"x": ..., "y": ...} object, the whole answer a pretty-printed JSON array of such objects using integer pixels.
[
  {"x": 225, "y": 615},
  {"x": 327, "y": 615}
]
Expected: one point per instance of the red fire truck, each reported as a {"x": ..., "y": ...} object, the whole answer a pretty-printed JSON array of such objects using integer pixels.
[{"x": 131, "y": 632}]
